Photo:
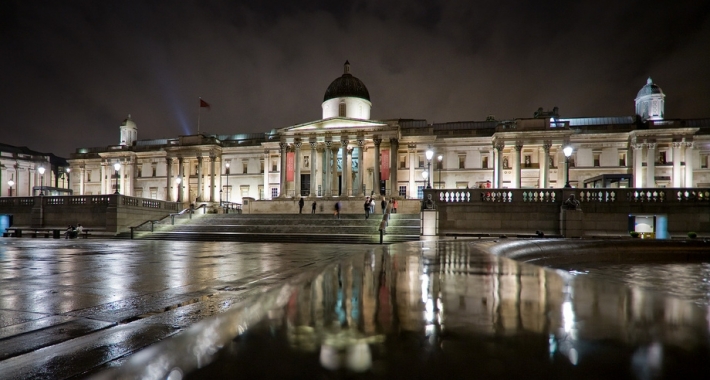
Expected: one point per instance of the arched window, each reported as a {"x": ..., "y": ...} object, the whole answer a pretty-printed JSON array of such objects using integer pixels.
[{"x": 341, "y": 110}]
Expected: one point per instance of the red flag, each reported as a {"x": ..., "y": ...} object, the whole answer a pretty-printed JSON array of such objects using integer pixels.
[{"x": 204, "y": 104}]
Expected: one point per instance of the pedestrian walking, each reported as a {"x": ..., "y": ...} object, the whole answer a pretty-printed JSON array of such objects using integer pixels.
[
  {"x": 313, "y": 207},
  {"x": 394, "y": 205},
  {"x": 367, "y": 208},
  {"x": 300, "y": 205},
  {"x": 383, "y": 203},
  {"x": 337, "y": 209}
]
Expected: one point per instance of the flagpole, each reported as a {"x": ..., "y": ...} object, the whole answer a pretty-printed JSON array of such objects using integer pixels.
[{"x": 199, "y": 110}]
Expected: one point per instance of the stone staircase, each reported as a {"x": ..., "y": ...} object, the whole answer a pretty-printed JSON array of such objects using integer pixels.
[{"x": 283, "y": 228}]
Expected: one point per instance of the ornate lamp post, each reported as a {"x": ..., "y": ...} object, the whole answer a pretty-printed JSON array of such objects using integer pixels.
[
  {"x": 68, "y": 178},
  {"x": 116, "y": 167},
  {"x": 568, "y": 152},
  {"x": 227, "y": 172},
  {"x": 10, "y": 183},
  {"x": 440, "y": 158},
  {"x": 41, "y": 180},
  {"x": 425, "y": 175},
  {"x": 429, "y": 155}
]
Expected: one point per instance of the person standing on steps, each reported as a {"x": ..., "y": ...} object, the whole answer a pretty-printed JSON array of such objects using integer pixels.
[
  {"x": 367, "y": 208},
  {"x": 394, "y": 205},
  {"x": 337, "y": 209},
  {"x": 372, "y": 205},
  {"x": 383, "y": 203},
  {"x": 300, "y": 205},
  {"x": 313, "y": 207}
]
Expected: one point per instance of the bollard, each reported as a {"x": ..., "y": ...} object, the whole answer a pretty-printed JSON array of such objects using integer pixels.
[{"x": 382, "y": 233}]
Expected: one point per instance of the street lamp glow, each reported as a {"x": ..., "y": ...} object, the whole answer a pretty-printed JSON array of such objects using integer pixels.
[
  {"x": 425, "y": 174},
  {"x": 10, "y": 183},
  {"x": 117, "y": 167},
  {"x": 429, "y": 154},
  {"x": 568, "y": 152},
  {"x": 41, "y": 177}
]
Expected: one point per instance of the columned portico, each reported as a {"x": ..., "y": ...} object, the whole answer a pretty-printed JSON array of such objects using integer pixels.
[
  {"x": 516, "y": 165},
  {"x": 314, "y": 168},
  {"x": 651, "y": 165},
  {"x": 282, "y": 183},
  {"x": 688, "y": 164},
  {"x": 394, "y": 147}
]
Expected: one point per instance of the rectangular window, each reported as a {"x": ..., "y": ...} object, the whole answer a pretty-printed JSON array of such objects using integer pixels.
[
  {"x": 261, "y": 192},
  {"x": 155, "y": 172},
  {"x": 462, "y": 185},
  {"x": 421, "y": 161},
  {"x": 622, "y": 159},
  {"x": 597, "y": 159},
  {"x": 403, "y": 161},
  {"x": 245, "y": 167},
  {"x": 244, "y": 190},
  {"x": 262, "y": 168},
  {"x": 274, "y": 192},
  {"x": 462, "y": 162},
  {"x": 153, "y": 193},
  {"x": 88, "y": 176},
  {"x": 274, "y": 165},
  {"x": 552, "y": 161},
  {"x": 484, "y": 162},
  {"x": 420, "y": 192},
  {"x": 528, "y": 161},
  {"x": 140, "y": 172},
  {"x": 341, "y": 110},
  {"x": 662, "y": 158},
  {"x": 403, "y": 191}
]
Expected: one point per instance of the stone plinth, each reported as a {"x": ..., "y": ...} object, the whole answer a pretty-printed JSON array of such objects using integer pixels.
[{"x": 571, "y": 223}]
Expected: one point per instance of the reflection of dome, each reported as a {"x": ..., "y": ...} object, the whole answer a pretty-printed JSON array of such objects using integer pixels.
[
  {"x": 649, "y": 88},
  {"x": 346, "y": 86}
]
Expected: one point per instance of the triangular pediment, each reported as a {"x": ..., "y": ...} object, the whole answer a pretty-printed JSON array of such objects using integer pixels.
[{"x": 334, "y": 123}]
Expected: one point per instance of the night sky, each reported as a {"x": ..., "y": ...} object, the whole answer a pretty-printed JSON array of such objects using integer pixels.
[{"x": 71, "y": 71}]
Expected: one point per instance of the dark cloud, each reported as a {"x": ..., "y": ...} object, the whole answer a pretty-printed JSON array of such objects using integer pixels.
[{"x": 72, "y": 71}]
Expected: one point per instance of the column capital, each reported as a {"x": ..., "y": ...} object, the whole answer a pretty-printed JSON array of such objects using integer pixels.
[
  {"x": 344, "y": 142},
  {"x": 283, "y": 145},
  {"x": 328, "y": 143},
  {"x": 651, "y": 145},
  {"x": 518, "y": 147},
  {"x": 547, "y": 145},
  {"x": 688, "y": 144},
  {"x": 677, "y": 144},
  {"x": 297, "y": 144},
  {"x": 169, "y": 160},
  {"x": 394, "y": 141},
  {"x": 314, "y": 145},
  {"x": 411, "y": 146},
  {"x": 377, "y": 141},
  {"x": 637, "y": 146},
  {"x": 360, "y": 143},
  {"x": 499, "y": 145}
]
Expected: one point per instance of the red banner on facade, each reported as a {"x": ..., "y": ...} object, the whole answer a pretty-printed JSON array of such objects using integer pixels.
[
  {"x": 290, "y": 165},
  {"x": 384, "y": 165}
]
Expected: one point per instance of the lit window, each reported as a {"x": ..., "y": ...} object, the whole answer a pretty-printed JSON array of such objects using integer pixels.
[{"x": 462, "y": 162}]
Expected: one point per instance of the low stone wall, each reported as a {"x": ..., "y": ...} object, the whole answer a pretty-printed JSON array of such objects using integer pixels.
[
  {"x": 114, "y": 213},
  {"x": 603, "y": 211}
]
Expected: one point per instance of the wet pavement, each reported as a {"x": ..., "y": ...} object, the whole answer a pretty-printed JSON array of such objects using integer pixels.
[
  {"x": 437, "y": 309},
  {"x": 71, "y": 308}
]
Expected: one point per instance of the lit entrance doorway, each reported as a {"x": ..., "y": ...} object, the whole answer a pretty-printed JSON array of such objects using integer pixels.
[{"x": 305, "y": 185}]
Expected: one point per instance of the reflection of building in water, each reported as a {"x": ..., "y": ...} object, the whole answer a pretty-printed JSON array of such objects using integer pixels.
[{"x": 348, "y": 310}]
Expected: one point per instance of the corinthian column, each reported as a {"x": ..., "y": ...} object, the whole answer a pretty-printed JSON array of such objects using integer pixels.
[
  {"x": 688, "y": 164},
  {"x": 282, "y": 184},
  {"x": 499, "y": 164},
  {"x": 376, "y": 173},
  {"x": 314, "y": 163},
  {"x": 651, "y": 165},
  {"x": 516, "y": 165},
  {"x": 346, "y": 169},
  {"x": 297, "y": 170},
  {"x": 638, "y": 164},
  {"x": 394, "y": 147},
  {"x": 677, "y": 177}
]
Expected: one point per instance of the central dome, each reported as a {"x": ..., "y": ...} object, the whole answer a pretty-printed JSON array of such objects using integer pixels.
[
  {"x": 649, "y": 89},
  {"x": 346, "y": 86}
]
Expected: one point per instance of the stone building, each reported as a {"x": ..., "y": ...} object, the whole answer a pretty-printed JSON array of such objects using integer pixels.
[
  {"x": 346, "y": 154},
  {"x": 25, "y": 172}
]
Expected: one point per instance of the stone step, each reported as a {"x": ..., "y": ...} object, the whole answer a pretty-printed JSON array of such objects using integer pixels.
[
  {"x": 291, "y": 222},
  {"x": 302, "y": 229},
  {"x": 277, "y": 238}
]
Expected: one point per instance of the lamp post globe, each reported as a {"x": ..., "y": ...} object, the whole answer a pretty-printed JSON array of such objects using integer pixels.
[
  {"x": 568, "y": 152},
  {"x": 68, "y": 170},
  {"x": 10, "y": 183},
  {"x": 116, "y": 167},
  {"x": 41, "y": 179}
]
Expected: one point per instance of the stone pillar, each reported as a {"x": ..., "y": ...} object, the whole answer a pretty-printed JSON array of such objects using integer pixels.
[
  {"x": 334, "y": 171},
  {"x": 314, "y": 163},
  {"x": 282, "y": 182},
  {"x": 104, "y": 174},
  {"x": 376, "y": 168},
  {"x": 267, "y": 165},
  {"x": 213, "y": 185},
  {"x": 169, "y": 177},
  {"x": 638, "y": 165},
  {"x": 82, "y": 173},
  {"x": 360, "y": 167},
  {"x": 394, "y": 161},
  {"x": 412, "y": 150},
  {"x": 297, "y": 169},
  {"x": 677, "y": 176},
  {"x": 499, "y": 165},
  {"x": 327, "y": 169},
  {"x": 516, "y": 165},
  {"x": 651, "y": 165},
  {"x": 181, "y": 185},
  {"x": 346, "y": 169},
  {"x": 545, "y": 162},
  {"x": 199, "y": 179},
  {"x": 689, "y": 164}
]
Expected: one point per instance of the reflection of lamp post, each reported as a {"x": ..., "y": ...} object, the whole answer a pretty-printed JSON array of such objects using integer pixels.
[
  {"x": 10, "y": 183},
  {"x": 116, "y": 167},
  {"x": 41, "y": 179},
  {"x": 440, "y": 158},
  {"x": 568, "y": 152},
  {"x": 227, "y": 172},
  {"x": 68, "y": 178},
  {"x": 425, "y": 175},
  {"x": 178, "y": 180},
  {"x": 429, "y": 155}
]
